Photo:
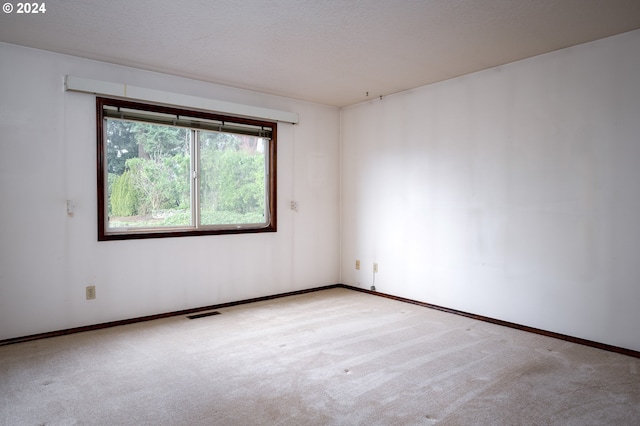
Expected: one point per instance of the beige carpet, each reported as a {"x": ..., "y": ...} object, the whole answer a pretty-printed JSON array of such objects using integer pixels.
[{"x": 333, "y": 357}]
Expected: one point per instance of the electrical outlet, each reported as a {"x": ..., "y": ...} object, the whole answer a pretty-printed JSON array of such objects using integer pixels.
[
  {"x": 357, "y": 264},
  {"x": 375, "y": 268},
  {"x": 91, "y": 292}
]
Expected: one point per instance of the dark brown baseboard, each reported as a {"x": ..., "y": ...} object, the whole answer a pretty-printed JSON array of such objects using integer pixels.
[
  {"x": 157, "y": 316},
  {"x": 604, "y": 346}
]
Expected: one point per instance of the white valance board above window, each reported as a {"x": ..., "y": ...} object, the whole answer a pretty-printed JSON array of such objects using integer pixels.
[{"x": 125, "y": 91}]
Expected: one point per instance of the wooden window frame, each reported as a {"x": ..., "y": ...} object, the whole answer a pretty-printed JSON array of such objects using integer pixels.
[{"x": 105, "y": 235}]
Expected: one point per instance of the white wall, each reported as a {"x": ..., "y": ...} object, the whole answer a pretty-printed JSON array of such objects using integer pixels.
[
  {"x": 47, "y": 155},
  {"x": 512, "y": 193}
]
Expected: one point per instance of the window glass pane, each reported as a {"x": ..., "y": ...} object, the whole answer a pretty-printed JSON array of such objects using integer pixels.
[
  {"x": 148, "y": 175},
  {"x": 232, "y": 179}
]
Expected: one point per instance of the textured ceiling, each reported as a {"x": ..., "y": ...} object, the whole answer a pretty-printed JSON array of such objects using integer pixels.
[{"x": 331, "y": 51}]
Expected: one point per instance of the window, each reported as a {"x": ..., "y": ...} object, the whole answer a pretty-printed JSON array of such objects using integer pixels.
[{"x": 166, "y": 172}]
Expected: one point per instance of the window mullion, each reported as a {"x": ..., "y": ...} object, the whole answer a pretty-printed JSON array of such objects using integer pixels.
[{"x": 195, "y": 179}]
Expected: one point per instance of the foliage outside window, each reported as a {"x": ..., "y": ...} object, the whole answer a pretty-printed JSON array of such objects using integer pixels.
[{"x": 166, "y": 172}]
